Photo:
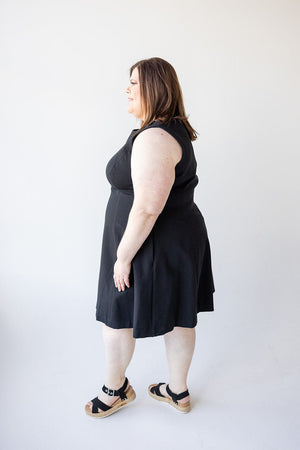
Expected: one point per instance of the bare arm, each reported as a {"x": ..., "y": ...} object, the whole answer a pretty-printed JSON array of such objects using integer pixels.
[{"x": 155, "y": 154}]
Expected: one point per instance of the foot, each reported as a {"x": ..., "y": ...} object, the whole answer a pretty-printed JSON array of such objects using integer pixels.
[
  {"x": 107, "y": 399},
  {"x": 163, "y": 391}
]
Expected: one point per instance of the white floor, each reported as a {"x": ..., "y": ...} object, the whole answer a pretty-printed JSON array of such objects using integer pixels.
[{"x": 244, "y": 396}]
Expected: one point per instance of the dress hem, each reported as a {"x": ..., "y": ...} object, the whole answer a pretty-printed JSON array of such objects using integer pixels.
[{"x": 137, "y": 334}]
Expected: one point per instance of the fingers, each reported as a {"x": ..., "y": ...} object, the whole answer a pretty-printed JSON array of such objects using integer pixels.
[
  {"x": 126, "y": 279},
  {"x": 121, "y": 282}
]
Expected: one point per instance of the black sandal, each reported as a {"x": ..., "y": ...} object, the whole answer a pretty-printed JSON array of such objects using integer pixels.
[
  {"x": 155, "y": 393},
  {"x": 125, "y": 398}
]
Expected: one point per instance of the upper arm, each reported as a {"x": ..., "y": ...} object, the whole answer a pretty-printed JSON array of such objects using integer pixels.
[{"x": 154, "y": 156}]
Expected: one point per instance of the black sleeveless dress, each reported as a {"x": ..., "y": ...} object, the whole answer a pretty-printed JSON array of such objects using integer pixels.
[{"x": 171, "y": 276}]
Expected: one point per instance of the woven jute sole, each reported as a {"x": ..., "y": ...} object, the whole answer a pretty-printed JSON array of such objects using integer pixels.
[
  {"x": 182, "y": 408},
  {"x": 115, "y": 406}
]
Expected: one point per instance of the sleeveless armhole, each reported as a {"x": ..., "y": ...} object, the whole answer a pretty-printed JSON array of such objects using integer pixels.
[{"x": 172, "y": 133}]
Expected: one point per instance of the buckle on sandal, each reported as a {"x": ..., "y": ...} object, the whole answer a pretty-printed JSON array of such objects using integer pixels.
[{"x": 110, "y": 392}]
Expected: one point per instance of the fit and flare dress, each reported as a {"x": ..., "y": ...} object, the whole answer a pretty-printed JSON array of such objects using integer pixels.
[{"x": 171, "y": 277}]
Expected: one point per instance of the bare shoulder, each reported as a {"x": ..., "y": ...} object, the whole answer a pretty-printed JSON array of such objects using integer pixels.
[{"x": 164, "y": 143}]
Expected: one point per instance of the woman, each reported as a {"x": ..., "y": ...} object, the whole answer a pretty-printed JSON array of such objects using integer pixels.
[{"x": 155, "y": 272}]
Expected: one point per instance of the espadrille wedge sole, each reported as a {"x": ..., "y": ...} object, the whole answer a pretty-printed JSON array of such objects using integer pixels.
[{"x": 155, "y": 393}]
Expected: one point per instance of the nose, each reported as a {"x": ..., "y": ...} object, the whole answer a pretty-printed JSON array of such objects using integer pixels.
[{"x": 127, "y": 90}]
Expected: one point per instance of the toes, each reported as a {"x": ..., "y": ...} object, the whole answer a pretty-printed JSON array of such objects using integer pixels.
[{"x": 90, "y": 406}]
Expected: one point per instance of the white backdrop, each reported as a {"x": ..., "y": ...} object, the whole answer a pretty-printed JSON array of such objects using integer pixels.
[{"x": 64, "y": 67}]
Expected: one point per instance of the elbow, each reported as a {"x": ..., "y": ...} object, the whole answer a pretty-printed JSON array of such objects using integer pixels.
[
  {"x": 148, "y": 210},
  {"x": 151, "y": 212}
]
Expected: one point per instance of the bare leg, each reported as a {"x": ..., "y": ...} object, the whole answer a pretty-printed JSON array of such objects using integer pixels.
[
  {"x": 119, "y": 346},
  {"x": 180, "y": 345}
]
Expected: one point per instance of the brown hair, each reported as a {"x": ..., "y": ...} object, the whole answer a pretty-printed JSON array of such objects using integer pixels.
[{"x": 161, "y": 95}]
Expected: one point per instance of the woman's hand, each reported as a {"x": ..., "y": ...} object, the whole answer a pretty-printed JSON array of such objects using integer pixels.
[{"x": 121, "y": 274}]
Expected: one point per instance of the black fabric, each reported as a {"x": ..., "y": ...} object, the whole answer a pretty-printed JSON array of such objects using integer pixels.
[
  {"x": 98, "y": 404},
  {"x": 171, "y": 276}
]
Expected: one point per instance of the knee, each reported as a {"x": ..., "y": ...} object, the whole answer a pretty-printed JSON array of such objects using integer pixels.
[{"x": 117, "y": 332}]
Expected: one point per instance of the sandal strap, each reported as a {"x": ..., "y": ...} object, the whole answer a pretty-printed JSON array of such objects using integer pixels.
[
  {"x": 98, "y": 404},
  {"x": 117, "y": 392},
  {"x": 176, "y": 397},
  {"x": 155, "y": 389}
]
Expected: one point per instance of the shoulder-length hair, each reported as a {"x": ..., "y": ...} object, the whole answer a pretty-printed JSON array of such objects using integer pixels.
[{"x": 161, "y": 95}]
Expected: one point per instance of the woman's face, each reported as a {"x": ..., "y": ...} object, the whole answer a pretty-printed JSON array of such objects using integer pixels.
[{"x": 133, "y": 92}]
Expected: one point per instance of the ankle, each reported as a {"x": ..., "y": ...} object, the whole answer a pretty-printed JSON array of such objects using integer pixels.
[
  {"x": 115, "y": 383},
  {"x": 178, "y": 388}
]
